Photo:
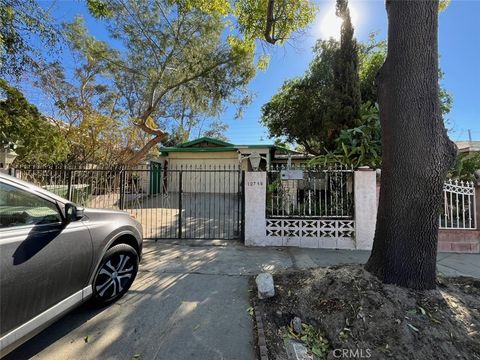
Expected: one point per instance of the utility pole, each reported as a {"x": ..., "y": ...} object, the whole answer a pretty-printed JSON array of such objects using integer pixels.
[{"x": 469, "y": 136}]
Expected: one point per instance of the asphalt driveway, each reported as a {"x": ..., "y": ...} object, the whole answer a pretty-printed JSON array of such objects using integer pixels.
[{"x": 189, "y": 301}]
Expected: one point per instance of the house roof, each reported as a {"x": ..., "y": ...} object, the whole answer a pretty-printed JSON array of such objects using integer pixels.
[
  {"x": 208, "y": 144},
  {"x": 468, "y": 146},
  {"x": 204, "y": 139}
]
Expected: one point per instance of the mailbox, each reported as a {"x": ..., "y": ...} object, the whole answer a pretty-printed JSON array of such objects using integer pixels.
[{"x": 291, "y": 174}]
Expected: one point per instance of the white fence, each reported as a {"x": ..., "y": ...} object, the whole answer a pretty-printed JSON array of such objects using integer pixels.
[{"x": 458, "y": 211}]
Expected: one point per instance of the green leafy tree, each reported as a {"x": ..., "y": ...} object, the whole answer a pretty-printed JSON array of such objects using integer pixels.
[
  {"x": 187, "y": 55},
  {"x": 371, "y": 56},
  {"x": 304, "y": 110},
  {"x": 417, "y": 152},
  {"x": 175, "y": 65},
  {"x": 192, "y": 120},
  {"x": 272, "y": 20},
  {"x": 38, "y": 139},
  {"x": 346, "y": 100},
  {"x": 360, "y": 145},
  {"x": 26, "y": 30},
  {"x": 216, "y": 130},
  {"x": 87, "y": 107},
  {"x": 300, "y": 112},
  {"x": 466, "y": 166},
  {"x": 289, "y": 115}
]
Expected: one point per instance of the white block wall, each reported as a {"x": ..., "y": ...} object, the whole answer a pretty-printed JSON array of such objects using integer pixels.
[{"x": 311, "y": 233}]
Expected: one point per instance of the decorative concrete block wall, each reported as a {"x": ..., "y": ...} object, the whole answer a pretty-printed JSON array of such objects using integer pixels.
[{"x": 311, "y": 233}]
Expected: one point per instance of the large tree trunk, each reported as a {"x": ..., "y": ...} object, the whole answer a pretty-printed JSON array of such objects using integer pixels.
[{"x": 416, "y": 149}]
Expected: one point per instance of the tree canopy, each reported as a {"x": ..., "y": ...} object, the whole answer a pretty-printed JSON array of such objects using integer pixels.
[
  {"x": 466, "y": 167},
  {"x": 22, "y": 22},
  {"x": 38, "y": 139},
  {"x": 306, "y": 110},
  {"x": 169, "y": 69},
  {"x": 345, "y": 108},
  {"x": 181, "y": 60}
]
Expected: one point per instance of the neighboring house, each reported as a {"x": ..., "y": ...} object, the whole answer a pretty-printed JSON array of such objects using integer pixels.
[{"x": 468, "y": 146}]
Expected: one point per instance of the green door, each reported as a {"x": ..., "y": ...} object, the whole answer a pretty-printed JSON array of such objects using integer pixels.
[{"x": 155, "y": 178}]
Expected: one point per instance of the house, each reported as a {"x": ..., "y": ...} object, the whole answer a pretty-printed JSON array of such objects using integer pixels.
[
  {"x": 209, "y": 152},
  {"x": 225, "y": 159},
  {"x": 468, "y": 146}
]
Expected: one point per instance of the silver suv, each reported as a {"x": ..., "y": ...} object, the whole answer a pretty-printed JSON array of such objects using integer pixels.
[{"x": 55, "y": 255}]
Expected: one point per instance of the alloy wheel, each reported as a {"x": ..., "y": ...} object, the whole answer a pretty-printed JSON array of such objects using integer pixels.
[{"x": 114, "y": 276}]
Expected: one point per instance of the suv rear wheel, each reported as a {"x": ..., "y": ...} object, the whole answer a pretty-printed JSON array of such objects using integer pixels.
[{"x": 115, "y": 274}]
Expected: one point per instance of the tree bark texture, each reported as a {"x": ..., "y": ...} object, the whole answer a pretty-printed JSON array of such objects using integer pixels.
[
  {"x": 143, "y": 152},
  {"x": 417, "y": 152}
]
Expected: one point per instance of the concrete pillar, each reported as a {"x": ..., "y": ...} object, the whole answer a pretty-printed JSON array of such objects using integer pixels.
[
  {"x": 255, "y": 202},
  {"x": 6, "y": 171},
  {"x": 365, "y": 194}
]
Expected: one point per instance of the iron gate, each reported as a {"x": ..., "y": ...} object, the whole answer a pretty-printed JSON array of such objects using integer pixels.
[{"x": 184, "y": 202}]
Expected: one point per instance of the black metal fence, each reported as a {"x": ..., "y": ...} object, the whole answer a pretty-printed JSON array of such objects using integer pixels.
[
  {"x": 180, "y": 202},
  {"x": 310, "y": 192}
]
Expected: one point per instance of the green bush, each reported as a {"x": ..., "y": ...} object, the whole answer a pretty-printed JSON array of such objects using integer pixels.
[
  {"x": 465, "y": 166},
  {"x": 359, "y": 146}
]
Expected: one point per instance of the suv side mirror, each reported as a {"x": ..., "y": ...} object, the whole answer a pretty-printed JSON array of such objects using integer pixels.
[{"x": 73, "y": 212}]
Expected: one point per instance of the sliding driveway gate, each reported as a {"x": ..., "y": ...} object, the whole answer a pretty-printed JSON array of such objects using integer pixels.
[{"x": 185, "y": 202}]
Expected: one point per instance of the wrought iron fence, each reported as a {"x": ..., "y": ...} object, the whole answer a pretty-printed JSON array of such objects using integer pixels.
[
  {"x": 459, "y": 207},
  {"x": 185, "y": 201},
  {"x": 310, "y": 192},
  {"x": 86, "y": 186}
]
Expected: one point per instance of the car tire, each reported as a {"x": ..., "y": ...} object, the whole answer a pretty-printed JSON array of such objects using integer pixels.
[{"x": 115, "y": 274}]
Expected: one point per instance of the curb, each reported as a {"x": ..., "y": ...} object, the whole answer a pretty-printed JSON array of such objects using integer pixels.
[{"x": 262, "y": 344}]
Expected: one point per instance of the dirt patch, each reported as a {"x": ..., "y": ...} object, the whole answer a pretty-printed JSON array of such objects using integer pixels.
[{"x": 354, "y": 311}]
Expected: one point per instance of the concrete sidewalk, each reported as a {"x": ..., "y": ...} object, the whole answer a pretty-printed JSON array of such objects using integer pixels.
[{"x": 189, "y": 301}]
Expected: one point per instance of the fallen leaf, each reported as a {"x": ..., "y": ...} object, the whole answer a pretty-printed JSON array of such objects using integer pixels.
[
  {"x": 85, "y": 339},
  {"x": 412, "y": 327}
]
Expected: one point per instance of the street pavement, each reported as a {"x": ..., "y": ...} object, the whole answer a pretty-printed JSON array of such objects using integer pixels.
[{"x": 189, "y": 301}]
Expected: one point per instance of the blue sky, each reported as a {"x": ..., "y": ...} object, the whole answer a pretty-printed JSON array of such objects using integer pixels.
[{"x": 459, "y": 44}]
